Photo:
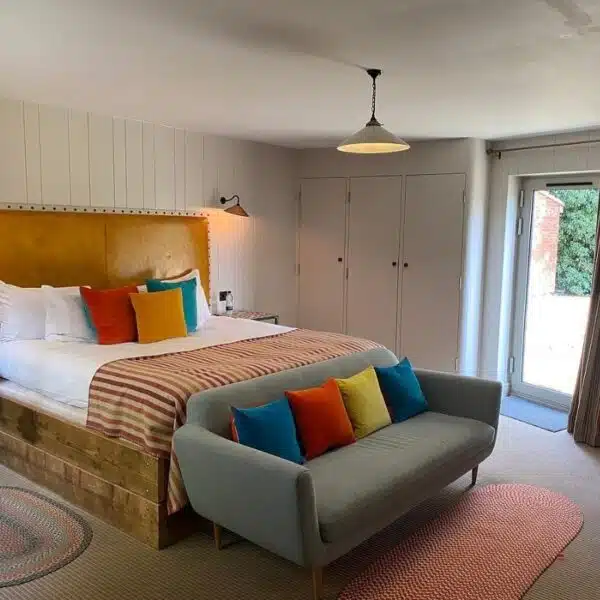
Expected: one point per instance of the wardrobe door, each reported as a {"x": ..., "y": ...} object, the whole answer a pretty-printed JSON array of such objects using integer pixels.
[
  {"x": 322, "y": 242},
  {"x": 375, "y": 213},
  {"x": 432, "y": 268}
]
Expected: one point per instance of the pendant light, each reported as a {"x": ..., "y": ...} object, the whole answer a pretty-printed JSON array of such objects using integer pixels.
[{"x": 373, "y": 138}]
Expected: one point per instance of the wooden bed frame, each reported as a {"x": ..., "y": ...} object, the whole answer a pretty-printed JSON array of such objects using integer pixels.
[{"x": 111, "y": 479}]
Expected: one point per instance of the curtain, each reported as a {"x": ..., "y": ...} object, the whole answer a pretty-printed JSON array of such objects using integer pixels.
[{"x": 584, "y": 418}]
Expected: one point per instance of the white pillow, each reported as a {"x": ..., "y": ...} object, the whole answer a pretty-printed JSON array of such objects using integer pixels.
[
  {"x": 22, "y": 313},
  {"x": 201, "y": 302},
  {"x": 65, "y": 317},
  {"x": 3, "y": 304}
]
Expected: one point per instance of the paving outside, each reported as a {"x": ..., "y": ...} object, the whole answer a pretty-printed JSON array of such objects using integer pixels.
[{"x": 553, "y": 340}]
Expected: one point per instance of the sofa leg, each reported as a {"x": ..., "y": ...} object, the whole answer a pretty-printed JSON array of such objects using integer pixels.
[
  {"x": 474, "y": 475},
  {"x": 217, "y": 530},
  {"x": 317, "y": 583}
]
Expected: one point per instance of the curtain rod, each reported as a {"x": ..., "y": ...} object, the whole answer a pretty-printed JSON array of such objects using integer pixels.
[{"x": 499, "y": 153}]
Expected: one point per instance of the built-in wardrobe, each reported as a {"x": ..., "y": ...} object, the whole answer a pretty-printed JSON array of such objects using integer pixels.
[
  {"x": 381, "y": 258},
  {"x": 385, "y": 257}
]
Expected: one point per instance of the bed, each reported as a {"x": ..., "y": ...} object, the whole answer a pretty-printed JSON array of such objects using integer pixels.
[
  {"x": 95, "y": 423},
  {"x": 48, "y": 441}
]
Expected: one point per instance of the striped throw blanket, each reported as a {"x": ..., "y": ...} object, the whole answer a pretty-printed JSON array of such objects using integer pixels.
[{"x": 143, "y": 400}]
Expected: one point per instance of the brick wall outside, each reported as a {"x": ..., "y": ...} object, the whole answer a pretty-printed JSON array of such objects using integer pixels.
[{"x": 544, "y": 246}]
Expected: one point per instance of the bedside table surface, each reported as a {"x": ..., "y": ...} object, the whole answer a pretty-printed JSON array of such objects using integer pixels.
[{"x": 253, "y": 315}]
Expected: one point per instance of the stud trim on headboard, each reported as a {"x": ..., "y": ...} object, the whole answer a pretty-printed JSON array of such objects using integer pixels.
[
  {"x": 108, "y": 211},
  {"x": 211, "y": 282}
]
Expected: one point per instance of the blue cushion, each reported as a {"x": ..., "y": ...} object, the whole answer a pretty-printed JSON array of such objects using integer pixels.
[
  {"x": 401, "y": 390},
  {"x": 188, "y": 291},
  {"x": 269, "y": 428}
]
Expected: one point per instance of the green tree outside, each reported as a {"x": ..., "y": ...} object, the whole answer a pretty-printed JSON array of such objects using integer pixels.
[{"x": 576, "y": 241}]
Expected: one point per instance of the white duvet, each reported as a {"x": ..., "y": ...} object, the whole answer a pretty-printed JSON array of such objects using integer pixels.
[{"x": 63, "y": 371}]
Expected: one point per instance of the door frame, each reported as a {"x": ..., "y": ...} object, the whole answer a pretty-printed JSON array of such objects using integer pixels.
[{"x": 529, "y": 186}]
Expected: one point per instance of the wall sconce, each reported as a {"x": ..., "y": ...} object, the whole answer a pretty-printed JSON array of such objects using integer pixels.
[{"x": 236, "y": 209}]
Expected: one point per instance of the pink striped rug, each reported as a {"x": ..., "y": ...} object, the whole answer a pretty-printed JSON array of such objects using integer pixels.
[{"x": 493, "y": 544}]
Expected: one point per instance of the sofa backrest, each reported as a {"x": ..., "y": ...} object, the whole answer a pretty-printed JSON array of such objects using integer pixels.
[{"x": 212, "y": 408}]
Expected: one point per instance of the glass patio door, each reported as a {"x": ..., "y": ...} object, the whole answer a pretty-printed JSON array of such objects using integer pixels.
[{"x": 556, "y": 248}]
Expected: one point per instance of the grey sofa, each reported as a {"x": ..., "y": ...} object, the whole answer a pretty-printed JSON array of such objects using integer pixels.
[{"x": 314, "y": 513}]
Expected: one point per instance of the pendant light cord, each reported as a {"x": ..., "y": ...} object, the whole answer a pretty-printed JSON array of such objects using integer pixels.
[
  {"x": 374, "y": 74},
  {"x": 374, "y": 98}
]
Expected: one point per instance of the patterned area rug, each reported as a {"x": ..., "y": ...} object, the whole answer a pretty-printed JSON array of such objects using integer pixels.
[
  {"x": 493, "y": 544},
  {"x": 37, "y": 535}
]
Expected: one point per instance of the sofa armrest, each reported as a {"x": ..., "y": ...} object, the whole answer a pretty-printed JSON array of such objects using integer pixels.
[
  {"x": 462, "y": 396},
  {"x": 263, "y": 498}
]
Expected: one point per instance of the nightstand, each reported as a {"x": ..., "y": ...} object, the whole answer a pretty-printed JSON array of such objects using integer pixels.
[{"x": 254, "y": 316}]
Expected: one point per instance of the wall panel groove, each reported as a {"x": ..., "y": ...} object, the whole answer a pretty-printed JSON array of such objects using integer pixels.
[
  {"x": 69, "y": 152},
  {"x": 25, "y": 150},
  {"x": 148, "y": 165},
  {"x": 120, "y": 163},
  {"x": 134, "y": 174},
  {"x": 13, "y": 181},
  {"x": 102, "y": 162},
  {"x": 33, "y": 167}
]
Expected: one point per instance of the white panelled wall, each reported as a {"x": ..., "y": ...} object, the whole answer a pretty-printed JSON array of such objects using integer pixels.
[{"x": 60, "y": 157}]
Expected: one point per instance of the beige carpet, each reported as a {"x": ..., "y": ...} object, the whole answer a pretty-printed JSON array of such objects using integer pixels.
[{"x": 118, "y": 567}]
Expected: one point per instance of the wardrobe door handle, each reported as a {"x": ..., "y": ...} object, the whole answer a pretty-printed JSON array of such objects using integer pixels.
[
  {"x": 340, "y": 259},
  {"x": 394, "y": 264},
  {"x": 405, "y": 265}
]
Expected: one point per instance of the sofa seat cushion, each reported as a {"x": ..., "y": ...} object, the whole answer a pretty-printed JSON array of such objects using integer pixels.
[{"x": 392, "y": 470}]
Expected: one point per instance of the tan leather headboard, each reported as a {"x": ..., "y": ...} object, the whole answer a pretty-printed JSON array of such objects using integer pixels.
[{"x": 99, "y": 249}]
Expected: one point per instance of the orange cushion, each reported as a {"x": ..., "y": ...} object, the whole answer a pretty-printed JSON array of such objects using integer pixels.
[
  {"x": 321, "y": 419},
  {"x": 111, "y": 313},
  {"x": 234, "y": 434},
  {"x": 159, "y": 315}
]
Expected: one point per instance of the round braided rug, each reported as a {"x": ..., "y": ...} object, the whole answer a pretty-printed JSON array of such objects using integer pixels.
[
  {"x": 493, "y": 544},
  {"x": 37, "y": 535}
]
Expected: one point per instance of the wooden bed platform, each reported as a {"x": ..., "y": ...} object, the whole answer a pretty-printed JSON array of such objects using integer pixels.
[{"x": 112, "y": 479}]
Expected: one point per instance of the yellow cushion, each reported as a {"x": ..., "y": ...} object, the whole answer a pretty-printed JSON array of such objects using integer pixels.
[
  {"x": 364, "y": 402},
  {"x": 159, "y": 315}
]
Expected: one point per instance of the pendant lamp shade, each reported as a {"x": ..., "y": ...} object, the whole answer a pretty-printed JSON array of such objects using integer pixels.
[{"x": 373, "y": 138}]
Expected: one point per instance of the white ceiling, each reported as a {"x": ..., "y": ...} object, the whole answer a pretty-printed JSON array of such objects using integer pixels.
[{"x": 283, "y": 70}]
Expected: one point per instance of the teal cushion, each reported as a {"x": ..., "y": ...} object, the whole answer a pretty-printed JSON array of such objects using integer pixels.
[
  {"x": 269, "y": 428},
  {"x": 88, "y": 317},
  {"x": 188, "y": 291},
  {"x": 401, "y": 390}
]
